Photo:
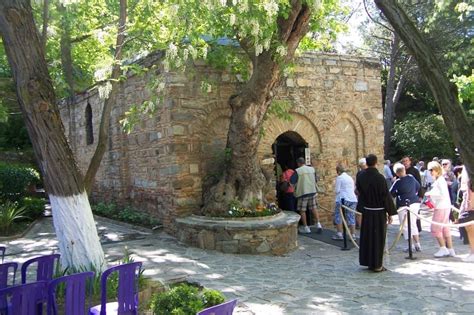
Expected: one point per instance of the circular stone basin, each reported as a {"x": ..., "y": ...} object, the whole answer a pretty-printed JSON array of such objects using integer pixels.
[{"x": 272, "y": 235}]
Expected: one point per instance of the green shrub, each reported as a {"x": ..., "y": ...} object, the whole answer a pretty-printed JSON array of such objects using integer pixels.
[
  {"x": 184, "y": 299},
  {"x": 105, "y": 209},
  {"x": 34, "y": 207},
  {"x": 14, "y": 181},
  {"x": 9, "y": 213},
  {"x": 212, "y": 297},
  {"x": 127, "y": 214},
  {"x": 422, "y": 136}
]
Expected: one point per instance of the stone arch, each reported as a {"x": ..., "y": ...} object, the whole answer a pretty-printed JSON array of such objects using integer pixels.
[
  {"x": 345, "y": 141},
  {"x": 300, "y": 124},
  {"x": 357, "y": 124},
  {"x": 211, "y": 130}
]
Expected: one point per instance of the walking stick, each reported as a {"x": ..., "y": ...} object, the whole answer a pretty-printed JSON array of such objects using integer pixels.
[
  {"x": 410, "y": 250},
  {"x": 344, "y": 230}
]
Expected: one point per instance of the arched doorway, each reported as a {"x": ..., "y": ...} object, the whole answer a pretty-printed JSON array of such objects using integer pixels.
[{"x": 288, "y": 147}]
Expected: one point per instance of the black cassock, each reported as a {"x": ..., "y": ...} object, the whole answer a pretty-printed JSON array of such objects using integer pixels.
[{"x": 374, "y": 203}]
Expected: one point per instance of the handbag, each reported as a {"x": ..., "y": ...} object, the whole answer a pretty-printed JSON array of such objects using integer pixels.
[{"x": 284, "y": 185}]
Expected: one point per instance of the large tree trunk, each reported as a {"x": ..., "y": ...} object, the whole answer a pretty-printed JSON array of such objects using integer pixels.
[
  {"x": 75, "y": 227},
  {"x": 444, "y": 91},
  {"x": 109, "y": 101},
  {"x": 243, "y": 178},
  {"x": 392, "y": 93}
]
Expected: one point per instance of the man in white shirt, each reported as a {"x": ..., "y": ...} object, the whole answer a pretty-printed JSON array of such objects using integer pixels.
[{"x": 344, "y": 196}]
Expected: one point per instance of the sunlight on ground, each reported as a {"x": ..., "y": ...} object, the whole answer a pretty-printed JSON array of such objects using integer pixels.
[
  {"x": 266, "y": 309},
  {"x": 428, "y": 267}
]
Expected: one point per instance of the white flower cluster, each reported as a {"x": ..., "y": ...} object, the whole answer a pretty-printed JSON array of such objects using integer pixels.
[
  {"x": 172, "y": 51},
  {"x": 104, "y": 90},
  {"x": 232, "y": 19},
  {"x": 65, "y": 2},
  {"x": 271, "y": 7},
  {"x": 102, "y": 73},
  {"x": 281, "y": 50},
  {"x": 100, "y": 35},
  {"x": 243, "y": 6},
  {"x": 255, "y": 26},
  {"x": 206, "y": 87}
]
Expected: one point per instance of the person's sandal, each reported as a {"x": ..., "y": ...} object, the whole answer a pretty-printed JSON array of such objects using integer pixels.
[{"x": 381, "y": 269}]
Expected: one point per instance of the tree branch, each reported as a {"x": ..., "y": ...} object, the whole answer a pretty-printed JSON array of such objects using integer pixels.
[{"x": 106, "y": 111}]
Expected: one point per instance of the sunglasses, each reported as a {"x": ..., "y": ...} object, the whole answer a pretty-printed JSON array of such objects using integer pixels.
[
  {"x": 444, "y": 164},
  {"x": 430, "y": 170}
]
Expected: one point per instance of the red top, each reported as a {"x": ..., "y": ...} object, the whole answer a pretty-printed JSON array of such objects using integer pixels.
[{"x": 286, "y": 178}]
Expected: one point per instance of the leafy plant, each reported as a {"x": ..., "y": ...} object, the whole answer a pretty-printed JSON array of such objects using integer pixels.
[
  {"x": 105, "y": 209},
  {"x": 9, "y": 213},
  {"x": 127, "y": 214},
  {"x": 34, "y": 207},
  {"x": 14, "y": 181},
  {"x": 423, "y": 136},
  {"x": 184, "y": 299},
  {"x": 212, "y": 297}
]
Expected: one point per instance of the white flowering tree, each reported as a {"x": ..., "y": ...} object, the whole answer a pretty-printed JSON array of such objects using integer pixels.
[{"x": 257, "y": 40}]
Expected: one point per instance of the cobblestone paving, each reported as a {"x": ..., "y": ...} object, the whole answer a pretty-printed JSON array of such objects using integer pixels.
[{"x": 317, "y": 278}]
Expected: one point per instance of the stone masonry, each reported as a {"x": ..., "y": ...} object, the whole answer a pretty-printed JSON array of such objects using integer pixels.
[{"x": 163, "y": 164}]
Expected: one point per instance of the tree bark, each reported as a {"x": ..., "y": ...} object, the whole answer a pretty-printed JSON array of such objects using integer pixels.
[
  {"x": 109, "y": 101},
  {"x": 44, "y": 30},
  {"x": 243, "y": 178},
  {"x": 444, "y": 91},
  {"x": 393, "y": 91},
  {"x": 75, "y": 227}
]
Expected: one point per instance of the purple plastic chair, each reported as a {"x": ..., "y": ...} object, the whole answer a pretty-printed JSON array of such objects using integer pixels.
[
  {"x": 74, "y": 295},
  {"x": 24, "y": 299},
  {"x": 45, "y": 267},
  {"x": 226, "y": 308},
  {"x": 127, "y": 295},
  {"x": 2, "y": 252},
  {"x": 5, "y": 270}
]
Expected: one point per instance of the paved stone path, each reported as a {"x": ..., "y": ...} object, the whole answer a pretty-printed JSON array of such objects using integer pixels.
[{"x": 317, "y": 278}]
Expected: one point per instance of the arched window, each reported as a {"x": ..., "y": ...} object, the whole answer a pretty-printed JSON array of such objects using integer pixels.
[{"x": 89, "y": 126}]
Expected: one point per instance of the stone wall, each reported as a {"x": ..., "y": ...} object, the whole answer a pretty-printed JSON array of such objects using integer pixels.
[
  {"x": 163, "y": 164},
  {"x": 337, "y": 110},
  {"x": 276, "y": 235}
]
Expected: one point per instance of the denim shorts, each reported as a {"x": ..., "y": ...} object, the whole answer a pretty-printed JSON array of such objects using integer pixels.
[{"x": 350, "y": 216}]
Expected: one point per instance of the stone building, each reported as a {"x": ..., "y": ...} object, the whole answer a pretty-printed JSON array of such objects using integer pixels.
[{"x": 163, "y": 164}]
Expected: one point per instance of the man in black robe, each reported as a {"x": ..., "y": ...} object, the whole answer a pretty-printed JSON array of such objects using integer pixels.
[{"x": 377, "y": 207}]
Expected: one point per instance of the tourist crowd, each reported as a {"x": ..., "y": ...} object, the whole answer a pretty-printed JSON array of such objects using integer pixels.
[{"x": 376, "y": 197}]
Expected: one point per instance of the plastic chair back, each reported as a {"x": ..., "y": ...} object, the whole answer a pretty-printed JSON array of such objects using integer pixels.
[
  {"x": 226, "y": 308},
  {"x": 3, "y": 249},
  {"x": 74, "y": 295},
  {"x": 5, "y": 270},
  {"x": 45, "y": 267},
  {"x": 24, "y": 299},
  {"x": 127, "y": 291}
]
